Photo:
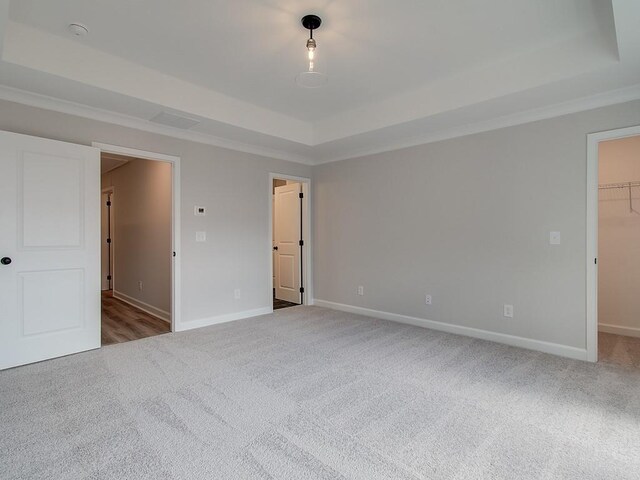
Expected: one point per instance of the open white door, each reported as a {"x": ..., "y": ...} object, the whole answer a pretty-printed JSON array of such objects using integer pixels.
[
  {"x": 50, "y": 249},
  {"x": 287, "y": 221}
]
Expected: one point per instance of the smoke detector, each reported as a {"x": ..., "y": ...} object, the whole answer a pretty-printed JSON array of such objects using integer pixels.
[{"x": 77, "y": 29}]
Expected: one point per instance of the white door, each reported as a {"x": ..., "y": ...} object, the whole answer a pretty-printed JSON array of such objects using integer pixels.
[
  {"x": 50, "y": 217},
  {"x": 287, "y": 237}
]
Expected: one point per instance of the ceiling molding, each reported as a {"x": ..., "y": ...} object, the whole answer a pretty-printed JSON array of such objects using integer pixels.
[
  {"x": 65, "y": 58},
  {"x": 591, "y": 102},
  {"x": 15, "y": 95},
  {"x": 63, "y": 106}
]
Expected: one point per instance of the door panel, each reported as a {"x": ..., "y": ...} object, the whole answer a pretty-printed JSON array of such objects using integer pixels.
[
  {"x": 50, "y": 216},
  {"x": 50, "y": 301},
  {"x": 51, "y": 201},
  {"x": 287, "y": 235}
]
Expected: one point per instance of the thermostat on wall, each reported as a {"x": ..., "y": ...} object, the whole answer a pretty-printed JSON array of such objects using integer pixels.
[{"x": 199, "y": 211}]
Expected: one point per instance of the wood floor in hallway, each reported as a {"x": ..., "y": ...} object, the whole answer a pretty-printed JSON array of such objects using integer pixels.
[{"x": 122, "y": 322}]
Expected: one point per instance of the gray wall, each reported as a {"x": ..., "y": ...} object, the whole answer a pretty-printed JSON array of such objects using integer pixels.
[
  {"x": 234, "y": 187},
  {"x": 142, "y": 232},
  {"x": 466, "y": 220}
]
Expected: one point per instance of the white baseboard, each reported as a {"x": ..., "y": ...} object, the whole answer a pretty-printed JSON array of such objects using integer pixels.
[
  {"x": 618, "y": 330},
  {"x": 229, "y": 317},
  {"x": 145, "y": 307},
  {"x": 546, "y": 347}
]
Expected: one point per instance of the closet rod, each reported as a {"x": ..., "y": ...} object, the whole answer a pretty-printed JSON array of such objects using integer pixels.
[{"x": 618, "y": 185}]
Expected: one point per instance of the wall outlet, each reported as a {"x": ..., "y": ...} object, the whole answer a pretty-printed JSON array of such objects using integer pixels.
[
  {"x": 199, "y": 211},
  {"x": 236, "y": 294},
  {"x": 554, "y": 238},
  {"x": 140, "y": 285},
  {"x": 201, "y": 236},
  {"x": 507, "y": 310},
  {"x": 427, "y": 299},
  {"x": 360, "y": 290}
]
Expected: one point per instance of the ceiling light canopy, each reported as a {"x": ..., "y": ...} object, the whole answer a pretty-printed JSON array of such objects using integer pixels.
[{"x": 311, "y": 78}]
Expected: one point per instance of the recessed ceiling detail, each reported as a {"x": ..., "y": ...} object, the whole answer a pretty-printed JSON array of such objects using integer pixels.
[{"x": 398, "y": 76}]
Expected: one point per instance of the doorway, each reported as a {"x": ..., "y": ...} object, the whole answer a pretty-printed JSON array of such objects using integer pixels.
[
  {"x": 619, "y": 251},
  {"x": 137, "y": 244},
  {"x": 289, "y": 240},
  {"x": 613, "y": 247}
]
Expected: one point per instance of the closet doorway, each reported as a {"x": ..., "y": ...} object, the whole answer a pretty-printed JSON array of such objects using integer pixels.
[
  {"x": 618, "y": 258},
  {"x": 289, "y": 241}
]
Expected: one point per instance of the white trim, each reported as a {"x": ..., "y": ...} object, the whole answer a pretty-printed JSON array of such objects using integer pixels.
[
  {"x": 619, "y": 330},
  {"x": 604, "y": 99},
  {"x": 145, "y": 307},
  {"x": 593, "y": 140},
  {"x": 591, "y": 102},
  {"x": 176, "y": 289},
  {"x": 112, "y": 226},
  {"x": 307, "y": 220},
  {"x": 133, "y": 152},
  {"x": 538, "y": 345},
  {"x": 46, "y": 102},
  {"x": 229, "y": 317}
]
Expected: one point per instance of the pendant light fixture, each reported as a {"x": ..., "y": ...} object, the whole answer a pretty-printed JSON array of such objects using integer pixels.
[{"x": 311, "y": 78}]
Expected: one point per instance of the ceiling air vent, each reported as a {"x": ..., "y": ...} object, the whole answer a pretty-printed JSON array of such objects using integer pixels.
[{"x": 175, "y": 121}]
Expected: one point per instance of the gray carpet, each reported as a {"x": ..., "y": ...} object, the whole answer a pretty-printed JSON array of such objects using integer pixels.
[{"x": 309, "y": 393}]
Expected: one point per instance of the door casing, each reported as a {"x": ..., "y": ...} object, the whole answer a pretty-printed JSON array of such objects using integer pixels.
[
  {"x": 307, "y": 257},
  {"x": 593, "y": 141},
  {"x": 176, "y": 324}
]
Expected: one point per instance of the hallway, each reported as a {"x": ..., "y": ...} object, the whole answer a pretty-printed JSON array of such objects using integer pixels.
[{"x": 122, "y": 322}]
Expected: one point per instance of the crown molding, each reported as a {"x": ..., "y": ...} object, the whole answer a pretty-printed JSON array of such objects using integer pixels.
[
  {"x": 565, "y": 108},
  {"x": 591, "y": 102},
  {"x": 37, "y": 100}
]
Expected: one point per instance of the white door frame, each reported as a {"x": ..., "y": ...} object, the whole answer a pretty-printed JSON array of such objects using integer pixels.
[
  {"x": 307, "y": 257},
  {"x": 175, "y": 218},
  {"x": 593, "y": 141},
  {"x": 112, "y": 225}
]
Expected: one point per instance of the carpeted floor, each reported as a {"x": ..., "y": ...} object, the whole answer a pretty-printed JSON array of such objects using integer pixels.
[{"x": 310, "y": 393}]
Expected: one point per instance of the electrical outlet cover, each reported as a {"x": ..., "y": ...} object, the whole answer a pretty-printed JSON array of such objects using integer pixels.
[{"x": 508, "y": 311}]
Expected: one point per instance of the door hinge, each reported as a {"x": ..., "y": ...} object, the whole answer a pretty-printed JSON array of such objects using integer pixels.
[
  {"x": 108, "y": 277},
  {"x": 301, "y": 289},
  {"x": 595, "y": 260},
  {"x": 108, "y": 240},
  {"x": 301, "y": 195},
  {"x": 108, "y": 203},
  {"x": 301, "y": 243},
  {"x": 174, "y": 254}
]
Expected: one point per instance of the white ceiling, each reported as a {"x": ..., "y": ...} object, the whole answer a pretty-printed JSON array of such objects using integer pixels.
[{"x": 399, "y": 72}]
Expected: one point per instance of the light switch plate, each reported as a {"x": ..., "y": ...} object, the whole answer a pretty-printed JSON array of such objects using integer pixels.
[
  {"x": 201, "y": 236},
  {"x": 554, "y": 238}
]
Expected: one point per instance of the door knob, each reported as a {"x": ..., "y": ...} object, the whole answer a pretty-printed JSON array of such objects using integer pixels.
[
  {"x": 275, "y": 248},
  {"x": 5, "y": 261}
]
